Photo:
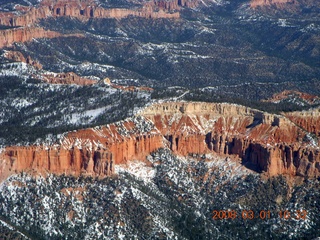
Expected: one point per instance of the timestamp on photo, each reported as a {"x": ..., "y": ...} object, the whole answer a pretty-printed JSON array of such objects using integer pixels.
[{"x": 262, "y": 214}]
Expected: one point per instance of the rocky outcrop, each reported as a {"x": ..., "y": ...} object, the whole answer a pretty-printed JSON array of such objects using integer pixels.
[
  {"x": 9, "y": 36},
  {"x": 17, "y": 56},
  {"x": 266, "y": 142},
  {"x": 172, "y": 5},
  {"x": 287, "y": 5},
  {"x": 59, "y": 160},
  {"x": 66, "y": 78},
  {"x": 93, "y": 152},
  {"x": 26, "y": 17},
  {"x": 294, "y": 96},
  {"x": 308, "y": 120},
  {"x": 263, "y": 3},
  {"x": 88, "y": 9}
]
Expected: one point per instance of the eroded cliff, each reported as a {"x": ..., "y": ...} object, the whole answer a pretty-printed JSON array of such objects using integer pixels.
[
  {"x": 90, "y": 151},
  {"x": 24, "y": 19},
  {"x": 9, "y": 36},
  {"x": 265, "y": 142},
  {"x": 308, "y": 120},
  {"x": 88, "y": 9}
]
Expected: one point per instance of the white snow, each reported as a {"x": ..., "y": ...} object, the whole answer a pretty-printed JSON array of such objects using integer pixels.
[{"x": 138, "y": 169}]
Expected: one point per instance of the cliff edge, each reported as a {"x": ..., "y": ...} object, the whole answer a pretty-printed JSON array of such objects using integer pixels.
[{"x": 268, "y": 143}]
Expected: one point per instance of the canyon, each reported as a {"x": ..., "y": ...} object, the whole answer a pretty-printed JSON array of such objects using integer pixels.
[
  {"x": 22, "y": 22},
  {"x": 268, "y": 143},
  {"x": 83, "y": 10},
  {"x": 21, "y": 25}
]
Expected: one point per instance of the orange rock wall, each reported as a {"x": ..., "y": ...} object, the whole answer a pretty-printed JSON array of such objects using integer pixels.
[
  {"x": 84, "y": 10},
  {"x": 90, "y": 152},
  {"x": 9, "y": 36},
  {"x": 27, "y": 17},
  {"x": 270, "y": 143},
  {"x": 67, "y": 78},
  {"x": 308, "y": 120},
  {"x": 59, "y": 160}
]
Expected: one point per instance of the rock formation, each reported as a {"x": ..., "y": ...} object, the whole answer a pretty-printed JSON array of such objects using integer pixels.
[
  {"x": 172, "y": 5},
  {"x": 58, "y": 160},
  {"x": 91, "y": 152},
  {"x": 262, "y": 3},
  {"x": 294, "y": 95},
  {"x": 17, "y": 56},
  {"x": 66, "y": 78},
  {"x": 287, "y": 5},
  {"x": 266, "y": 142},
  {"x": 87, "y": 9},
  {"x": 25, "y": 18},
  {"x": 308, "y": 120},
  {"x": 9, "y": 36}
]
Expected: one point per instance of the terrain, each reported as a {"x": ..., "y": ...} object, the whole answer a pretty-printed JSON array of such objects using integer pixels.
[{"x": 159, "y": 119}]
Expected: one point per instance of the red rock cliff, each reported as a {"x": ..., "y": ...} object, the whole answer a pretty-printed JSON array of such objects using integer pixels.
[
  {"x": 87, "y": 9},
  {"x": 270, "y": 143},
  {"x": 66, "y": 78},
  {"x": 90, "y": 151},
  {"x": 308, "y": 120},
  {"x": 26, "y": 17},
  {"x": 9, "y": 36}
]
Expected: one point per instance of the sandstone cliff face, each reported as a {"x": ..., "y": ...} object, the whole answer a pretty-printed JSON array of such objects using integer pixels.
[
  {"x": 88, "y": 9},
  {"x": 26, "y": 17},
  {"x": 91, "y": 152},
  {"x": 10, "y": 36},
  {"x": 269, "y": 143},
  {"x": 58, "y": 160},
  {"x": 308, "y": 120}
]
